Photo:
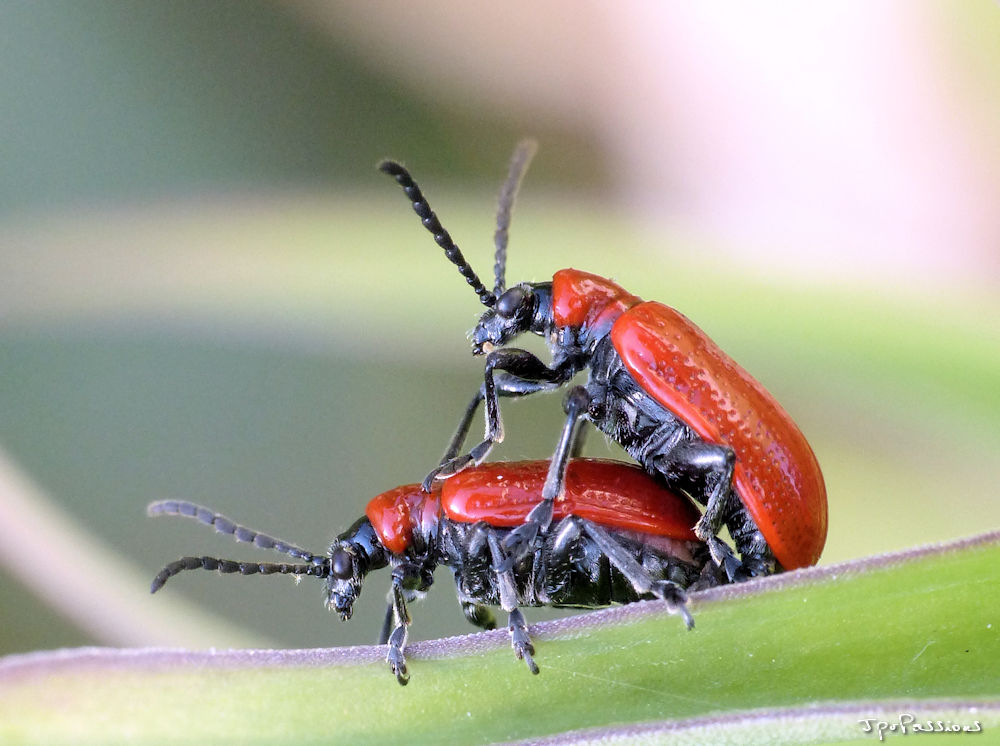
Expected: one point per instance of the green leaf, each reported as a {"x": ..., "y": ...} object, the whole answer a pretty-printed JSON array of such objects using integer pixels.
[{"x": 802, "y": 657}]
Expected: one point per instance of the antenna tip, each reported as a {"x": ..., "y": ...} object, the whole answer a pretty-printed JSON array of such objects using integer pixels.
[{"x": 391, "y": 167}]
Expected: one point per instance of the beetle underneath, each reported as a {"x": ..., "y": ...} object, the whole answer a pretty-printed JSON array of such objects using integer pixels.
[{"x": 618, "y": 537}]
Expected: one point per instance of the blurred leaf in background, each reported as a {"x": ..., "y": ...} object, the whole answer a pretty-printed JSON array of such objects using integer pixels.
[{"x": 207, "y": 292}]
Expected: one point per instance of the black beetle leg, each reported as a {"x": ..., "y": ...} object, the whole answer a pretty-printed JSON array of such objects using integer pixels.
[
  {"x": 527, "y": 375},
  {"x": 505, "y": 385},
  {"x": 636, "y": 574},
  {"x": 397, "y": 638},
  {"x": 408, "y": 579},
  {"x": 451, "y": 463},
  {"x": 714, "y": 462},
  {"x": 461, "y": 433},
  {"x": 579, "y": 440},
  {"x": 519, "y": 638},
  {"x": 520, "y": 540},
  {"x": 718, "y": 459},
  {"x": 388, "y": 622}
]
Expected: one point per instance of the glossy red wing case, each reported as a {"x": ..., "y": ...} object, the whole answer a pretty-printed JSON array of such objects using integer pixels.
[
  {"x": 776, "y": 473},
  {"x": 610, "y": 493}
]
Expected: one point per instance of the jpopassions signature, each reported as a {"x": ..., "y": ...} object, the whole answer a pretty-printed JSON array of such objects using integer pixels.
[{"x": 907, "y": 723}]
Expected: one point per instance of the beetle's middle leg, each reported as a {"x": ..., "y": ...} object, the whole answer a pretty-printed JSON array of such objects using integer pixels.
[{"x": 507, "y": 590}]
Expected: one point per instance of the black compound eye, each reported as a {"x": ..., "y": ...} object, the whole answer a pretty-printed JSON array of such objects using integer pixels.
[
  {"x": 509, "y": 303},
  {"x": 342, "y": 565}
]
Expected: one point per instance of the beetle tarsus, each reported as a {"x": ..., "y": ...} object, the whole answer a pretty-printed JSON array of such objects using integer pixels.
[
  {"x": 726, "y": 560},
  {"x": 520, "y": 640},
  {"x": 453, "y": 466},
  {"x": 676, "y": 600},
  {"x": 394, "y": 656}
]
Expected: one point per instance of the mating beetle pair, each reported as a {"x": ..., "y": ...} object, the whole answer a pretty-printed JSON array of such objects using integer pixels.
[
  {"x": 696, "y": 422},
  {"x": 658, "y": 385},
  {"x": 619, "y": 537}
]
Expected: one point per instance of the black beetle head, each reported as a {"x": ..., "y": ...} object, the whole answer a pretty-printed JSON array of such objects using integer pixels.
[
  {"x": 515, "y": 312},
  {"x": 343, "y": 584},
  {"x": 352, "y": 555}
]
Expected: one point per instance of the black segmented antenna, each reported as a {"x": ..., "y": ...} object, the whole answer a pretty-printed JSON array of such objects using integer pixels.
[
  {"x": 431, "y": 223},
  {"x": 231, "y": 566},
  {"x": 316, "y": 565},
  {"x": 519, "y": 163}
]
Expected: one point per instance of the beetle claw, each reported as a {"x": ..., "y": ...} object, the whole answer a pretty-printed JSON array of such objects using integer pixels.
[{"x": 399, "y": 669}]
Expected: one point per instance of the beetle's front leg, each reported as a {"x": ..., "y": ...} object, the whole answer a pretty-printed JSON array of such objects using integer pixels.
[
  {"x": 408, "y": 579},
  {"x": 520, "y": 373},
  {"x": 397, "y": 638}
]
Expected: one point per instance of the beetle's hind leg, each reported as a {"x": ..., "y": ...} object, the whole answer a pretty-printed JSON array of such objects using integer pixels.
[
  {"x": 710, "y": 467},
  {"x": 750, "y": 542},
  {"x": 643, "y": 583}
]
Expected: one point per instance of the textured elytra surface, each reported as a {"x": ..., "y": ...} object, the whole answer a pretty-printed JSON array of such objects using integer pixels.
[
  {"x": 611, "y": 493},
  {"x": 776, "y": 473}
]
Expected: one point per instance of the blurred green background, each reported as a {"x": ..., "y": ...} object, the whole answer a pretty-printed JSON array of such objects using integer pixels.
[{"x": 207, "y": 291}]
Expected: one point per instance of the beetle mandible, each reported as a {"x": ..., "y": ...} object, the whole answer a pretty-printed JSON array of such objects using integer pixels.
[
  {"x": 620, "y": 537},
  {"x": 658, "y": 385}
]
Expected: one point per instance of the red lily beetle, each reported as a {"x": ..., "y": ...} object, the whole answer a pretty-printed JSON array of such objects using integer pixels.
[
  {"x": 620, "y": 536},
  {"x": 658, "y": 385}
]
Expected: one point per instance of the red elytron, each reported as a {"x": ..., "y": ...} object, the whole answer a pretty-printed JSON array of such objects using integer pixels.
[
  {"x": 776, "y": 473},
  {"x": 609, "y": 493}
]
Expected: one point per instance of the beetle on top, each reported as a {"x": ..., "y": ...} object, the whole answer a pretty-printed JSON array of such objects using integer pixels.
[{"x": 658, "y": 385}]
